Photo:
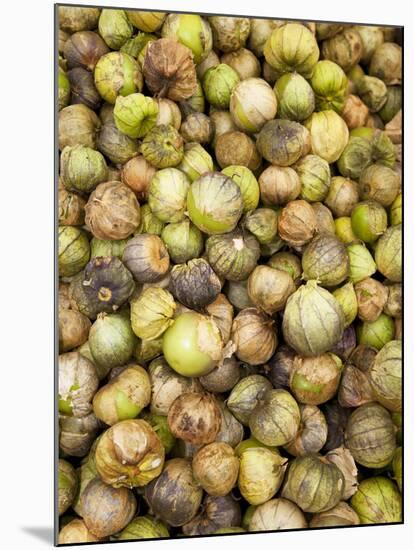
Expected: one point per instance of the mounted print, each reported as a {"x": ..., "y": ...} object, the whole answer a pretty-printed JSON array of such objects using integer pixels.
[{"x": 229, "y": 305}]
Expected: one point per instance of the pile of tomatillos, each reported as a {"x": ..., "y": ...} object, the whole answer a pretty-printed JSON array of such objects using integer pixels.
[{"x": 230, "y": 271}]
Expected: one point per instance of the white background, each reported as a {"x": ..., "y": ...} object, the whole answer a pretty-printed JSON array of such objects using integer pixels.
[{"x": 26, "y": 314}]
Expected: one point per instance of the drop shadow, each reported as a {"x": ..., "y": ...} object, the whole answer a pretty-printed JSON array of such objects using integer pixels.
[{"x": 44, "y": 534}]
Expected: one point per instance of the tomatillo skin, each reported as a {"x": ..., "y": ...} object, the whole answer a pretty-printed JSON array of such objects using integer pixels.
[{"x": 192, "y": 345}]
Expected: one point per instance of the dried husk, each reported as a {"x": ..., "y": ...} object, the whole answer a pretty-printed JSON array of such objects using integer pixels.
[
  {"x": 152, "y": 312},
  {"x": 169, "y": 69},
  {"x": 112, "y": 211},
  {"x": 244, "y": 62},
  {"x": 231, "y": 430},
  {"x": 355, "y": 112},
  {"x": 167, "y": 195},
  {"x": 329, "y": 135},
  {"x": 312, "y": 433},
  {"x": 76, "y": 435},
  {"x": 379, "y": 183},
  {"x": 163, "y": 146},
  {"x": 246, "y": 181},
  {"x": 377, "y": 501},
  {"x": 343, "y": 459},
  {"x": 372, "y": 297},
  {"x": 315, "y": 380},
  {"x": 78, "y": 125},
  {"x": 114, "y": 27},
  {"x": 393, "y": 306},
  {"x": 300, "y": 329},
  {"x": 346, "y": 344},
  {"x": 336, "y": 418},
  {"x": 386, "y": 63},
  {"x": 229, "y": 33},
  {"x": 106, "y": 510},
  {"x": 292, "y": 48},
  {"x": 254, "y": 335},
  {"x": 370, "y": 436},
  {"x": 192, "y": 31},
  {"x": 215, "y": 513},
  {"x": 84, "y": 49},
  {"x": 117, "y": 74},
  {"x": 385, "y": 376},
  {"x": 342, "y": 196},
  {"x": 197, "y": 128},
  {"x": 363, "y": 357},
  {"x": 237, "y": 294},
  {"x": 147, "y": 258},
  {"x": 296, "y": 100},
  {"x": 323, "y": 488},
  {"x": 269, "y": 288},
  {"x": 346, "y": 297},
  {"x": 345, "y": 48},
  {"x": 82, "y": 168},
  {"x": 275, "y": 420},
  {"x": 361, "y": 263},
  {"x": 195, "y": 418},
  {"x": 297, "y": 223},
  {"x": 283, "y": 142},
  {"x": 252, "y": 104},
  {"x": 388, "y": 253},
  {"x": 73, "y": 329},
  {"x": 196, "y": 161},
  {"x": 111, "y": 340},
  {"x": 280, "y": 366},
  {"x": 144, "y": 527},
  {"x": 279, "y": 185},
  {"x": 76, "y": 532},
  {"x": 67, "y": 485},
  {"x": 71, "y": 208},
  {"x": 233, "y": 255},
  {"x": 77, "y": 384},
  {"x": 216, "y": 467},
  {"x": 340, "y": 515},
  {"x": 222, "y": 122},
  {"x": 355, "y": 389},
  {"x": 115, "y": 145},
  {"x": 194, "y": 284},
  {"x": 277, "y": 514},
  {"x": 262, "y": 223},
  {"x": 261, "y": 474},
  {"x": 214, "y": 203},
  {"x": 246, "y": 395},
  {"x": 137, "y": 174},
  {"x": 355, "y": 157},
  {"x": 211, "y": 60},
  {"x": 234, "y": 148},
  {"x": 260, "y": 30},
  {"x": 135, "y": 115},
  {"x": 175, "y": 496},
  {"x": 325, "y": 222},
  {"x": 129, "y": 454},
  {"x": 147, "y": 21},
  {"x": 221, "y": 311},
  {"x": 325, "y": 259},
  {"x": 77, "y": 18},
  {"x": 397, "y": 467},
  {"x": 124, "y": 396},
  {"x": 167, "y": 385},
  {"x": 106, "y": 285},
  {"x": 82, "y": 87},
  {"x": 168, "y": 113},
  {"x": 315, "y": 178}
]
